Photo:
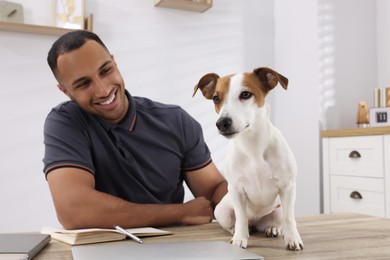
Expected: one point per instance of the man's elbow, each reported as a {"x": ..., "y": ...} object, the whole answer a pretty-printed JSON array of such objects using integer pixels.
[
  {"x": 68, "y": 222},
  {"x": 72, "y": 218}
]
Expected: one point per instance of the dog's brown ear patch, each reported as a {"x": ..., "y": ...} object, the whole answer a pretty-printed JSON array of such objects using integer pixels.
[
  {"x": 207, "y": 85},
  {"x": 270, "y": 78}
]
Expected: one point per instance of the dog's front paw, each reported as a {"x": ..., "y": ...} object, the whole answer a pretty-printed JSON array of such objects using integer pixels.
[
  {"x": 243, "y": 243},
  {"x": 272, "y": 231},
  {"x": 292, "y": 239},
  {"x": 294, "y": 243}
]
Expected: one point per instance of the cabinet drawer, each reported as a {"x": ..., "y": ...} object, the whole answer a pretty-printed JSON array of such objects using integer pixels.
[
  {"x": 372, "y": 201},
  {"x": 356, "y": 156}
]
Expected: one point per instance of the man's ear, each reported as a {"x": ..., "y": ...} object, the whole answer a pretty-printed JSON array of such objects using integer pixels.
[{"x": 63, "y": 90}]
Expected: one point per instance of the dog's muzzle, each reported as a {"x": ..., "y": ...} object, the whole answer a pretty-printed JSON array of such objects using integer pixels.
[{"x": 224, "y": 125}]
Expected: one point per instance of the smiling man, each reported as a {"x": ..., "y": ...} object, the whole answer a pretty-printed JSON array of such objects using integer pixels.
[{"x": 114, "y": 159}]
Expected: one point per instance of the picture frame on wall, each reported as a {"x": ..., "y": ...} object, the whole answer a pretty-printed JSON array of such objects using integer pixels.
[{"x": 69, "y": 14}]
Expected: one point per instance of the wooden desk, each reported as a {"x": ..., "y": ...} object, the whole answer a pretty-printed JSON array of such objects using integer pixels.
[{"x": 326, "y": 236}]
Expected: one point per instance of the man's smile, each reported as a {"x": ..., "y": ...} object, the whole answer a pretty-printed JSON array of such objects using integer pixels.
[{"x": 109, "y": 100}]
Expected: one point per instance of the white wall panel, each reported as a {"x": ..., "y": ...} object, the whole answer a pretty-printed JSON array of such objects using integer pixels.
[{"x": 297, "y": 109}]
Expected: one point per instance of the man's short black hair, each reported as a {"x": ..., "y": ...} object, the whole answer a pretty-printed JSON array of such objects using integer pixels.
[{"x": 69, "y": 42}]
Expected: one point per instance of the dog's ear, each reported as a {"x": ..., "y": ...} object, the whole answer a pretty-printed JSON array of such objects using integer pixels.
[
  {"x": 270, "y": 78},
  {"x": 207, "y": 85}
]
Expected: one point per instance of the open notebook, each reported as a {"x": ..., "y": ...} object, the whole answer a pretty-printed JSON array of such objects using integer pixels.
[
  {"x": 97, "y": 235},
  {"x": 181, "y": 250}
]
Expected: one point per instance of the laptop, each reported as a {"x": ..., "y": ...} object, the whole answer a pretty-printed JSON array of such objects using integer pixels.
[
  {"x": 22, "y": 245},
  {"x": 180, "y": 250}
]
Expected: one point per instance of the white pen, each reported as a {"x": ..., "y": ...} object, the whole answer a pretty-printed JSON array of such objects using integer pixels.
[{"x": 127, "y": 233}]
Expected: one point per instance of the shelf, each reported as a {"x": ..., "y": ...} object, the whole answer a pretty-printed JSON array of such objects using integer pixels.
[
  {"x": 188, "y": 5},
  {"x": 30, "y": 28}
]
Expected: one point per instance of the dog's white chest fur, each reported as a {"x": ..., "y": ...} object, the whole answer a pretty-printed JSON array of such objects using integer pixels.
[{"x": 254, "y": 167}]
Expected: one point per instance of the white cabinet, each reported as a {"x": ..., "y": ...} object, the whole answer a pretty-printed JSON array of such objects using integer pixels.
[{"x": 356, "y": 171}]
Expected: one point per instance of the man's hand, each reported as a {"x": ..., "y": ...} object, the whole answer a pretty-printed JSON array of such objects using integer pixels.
[{"x": 197, "y": 211}]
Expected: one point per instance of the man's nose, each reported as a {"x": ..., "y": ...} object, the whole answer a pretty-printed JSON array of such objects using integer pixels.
[{"x": 101, "y": 88}]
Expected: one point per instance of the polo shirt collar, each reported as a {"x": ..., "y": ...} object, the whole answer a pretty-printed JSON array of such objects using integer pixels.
[{"x": 128, "y": 122}]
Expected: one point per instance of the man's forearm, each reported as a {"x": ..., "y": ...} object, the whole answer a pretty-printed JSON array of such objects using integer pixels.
[
  {"x": 219, "y": 193},
  {"x": 102, "y": 210},
  {"x": 79, "y": 205}
]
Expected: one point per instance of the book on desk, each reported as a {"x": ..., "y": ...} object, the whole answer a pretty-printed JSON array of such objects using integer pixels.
[
  {"x": 98, "y": 235},
  {"x": 22, "y": 245}
]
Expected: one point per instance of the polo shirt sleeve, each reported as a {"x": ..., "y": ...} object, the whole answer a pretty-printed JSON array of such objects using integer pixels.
[
  {"x": 66, "y": 141},
  {"x": 197, "y": 154}
]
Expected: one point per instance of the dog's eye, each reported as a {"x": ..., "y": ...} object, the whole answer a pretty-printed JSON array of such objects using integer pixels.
[
  {"x": 245, "y": 95},
  {"x": 216, "y": 100}
]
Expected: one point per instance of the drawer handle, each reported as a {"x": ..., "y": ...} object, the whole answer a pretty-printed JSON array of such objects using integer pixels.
[
  {"x": 356, "y": 195},
  {"x": 354, "y": 154}
]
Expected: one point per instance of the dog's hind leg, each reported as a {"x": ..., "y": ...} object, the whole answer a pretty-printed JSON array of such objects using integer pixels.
[{"x": 271, "y": 223}]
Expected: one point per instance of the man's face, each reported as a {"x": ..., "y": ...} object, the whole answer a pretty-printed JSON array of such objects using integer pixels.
[{"x": 90, "y": 77}]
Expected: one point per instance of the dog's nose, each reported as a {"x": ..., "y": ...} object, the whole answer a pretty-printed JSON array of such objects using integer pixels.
[{"x": 224, "y": 124}]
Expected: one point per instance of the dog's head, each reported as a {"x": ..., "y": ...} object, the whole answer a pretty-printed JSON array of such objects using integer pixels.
[{"x": 238, "y": 98}]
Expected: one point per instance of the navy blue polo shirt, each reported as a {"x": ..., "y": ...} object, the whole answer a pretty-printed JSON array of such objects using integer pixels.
[{"x": 141, "y": 160}]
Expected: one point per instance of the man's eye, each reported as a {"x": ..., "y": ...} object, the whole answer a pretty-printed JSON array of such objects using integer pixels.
[
  {"x": 82, "y": 84},
  {"x": 245, "y": 95},
  {"x": 216, "y": 100},
  {"x": 105, "y": 71}
]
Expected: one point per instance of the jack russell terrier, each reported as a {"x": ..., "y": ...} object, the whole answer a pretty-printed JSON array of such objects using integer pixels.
[{"x": 260, "y": 167}]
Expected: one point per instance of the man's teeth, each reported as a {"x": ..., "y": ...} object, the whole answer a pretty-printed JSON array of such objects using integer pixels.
[{"x": 109, "y": 101}]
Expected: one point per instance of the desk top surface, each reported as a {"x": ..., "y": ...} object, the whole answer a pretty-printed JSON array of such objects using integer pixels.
[{"x": 326, "y": 236}]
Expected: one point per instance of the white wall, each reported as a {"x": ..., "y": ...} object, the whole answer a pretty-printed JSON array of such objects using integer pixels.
[
  {"x": 296, "y": 110},
  {"x": 383, "y": 43},
  {"x": 161, "y": 53},
  {"x": 351, "y": 60}
]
